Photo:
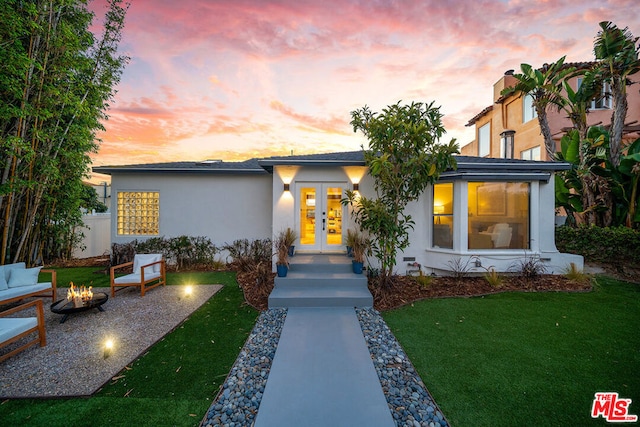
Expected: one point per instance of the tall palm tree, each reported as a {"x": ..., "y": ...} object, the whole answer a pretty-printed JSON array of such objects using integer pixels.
[
  {"x": 617, "y": 51},
  {"x": 544, "y": 85}
]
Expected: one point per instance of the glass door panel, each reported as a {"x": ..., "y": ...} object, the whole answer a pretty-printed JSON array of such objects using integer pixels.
[
  {"x": 307, "y": 216},
  {"x": 334, "y": 216}
]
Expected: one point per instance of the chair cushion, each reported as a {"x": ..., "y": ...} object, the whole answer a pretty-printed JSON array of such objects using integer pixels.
[
  {"x": 5, "y": 273},
  {"x": 134, "y": 278},
  {"x": 144, "y": 259},
  {"x": 24, "y": 277},
  {"x": 23, "y": 290},
  {"x": 11, "y": 327}
]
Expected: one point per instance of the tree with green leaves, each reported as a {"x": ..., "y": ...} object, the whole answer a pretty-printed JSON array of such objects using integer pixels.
[
  {"x": 404, "y": 157},
  {"x": 545, "y": 88},
  {"x": 56, "y": 81},
  {"x": 617, "y": 52}
]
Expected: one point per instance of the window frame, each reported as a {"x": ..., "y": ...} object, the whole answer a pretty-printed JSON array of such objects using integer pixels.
[
  {"x": 531, "y": 151},
  {"x": 445, "y": 241},
  {"x": 528, "y": 109},
  {"x": 605, "y": 101},
  {"x": 500, "y": 210},
  {"x": 482, "y": 130}
]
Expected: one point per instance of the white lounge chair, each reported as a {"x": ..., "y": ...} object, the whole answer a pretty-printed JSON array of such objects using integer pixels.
[{"x": 148, "y": 272}]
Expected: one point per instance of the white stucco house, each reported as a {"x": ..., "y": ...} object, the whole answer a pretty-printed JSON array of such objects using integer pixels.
[{"x": 487, "y": 213}]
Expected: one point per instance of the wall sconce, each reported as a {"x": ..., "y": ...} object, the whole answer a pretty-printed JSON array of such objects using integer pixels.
[
  {"x": 286, "y": 187},
  {"x": 356, "y": 186}
]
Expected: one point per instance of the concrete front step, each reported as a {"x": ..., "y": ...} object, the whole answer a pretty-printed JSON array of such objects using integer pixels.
[
  {"x": 333, "y": 295},
  {"x": 320, "y": 280},
  {"x": 320, "y": 264},
  {"x": 306, "y": 280}
]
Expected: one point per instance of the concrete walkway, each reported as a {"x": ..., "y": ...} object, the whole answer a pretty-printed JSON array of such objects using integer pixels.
[{"x": 322, "y": 374}]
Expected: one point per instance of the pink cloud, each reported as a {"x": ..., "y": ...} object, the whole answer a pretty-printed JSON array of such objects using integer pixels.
[
  {"x": 330, "y": 125},
  {"x": 262, "y": 76}
]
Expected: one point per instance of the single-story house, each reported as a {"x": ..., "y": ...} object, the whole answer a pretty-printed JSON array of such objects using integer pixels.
[{"x": 486, "y": 213}]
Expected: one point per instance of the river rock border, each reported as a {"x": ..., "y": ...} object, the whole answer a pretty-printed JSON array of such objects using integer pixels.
[{"x": 238, "y": 401}]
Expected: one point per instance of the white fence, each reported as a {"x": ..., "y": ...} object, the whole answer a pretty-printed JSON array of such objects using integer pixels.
[{"x": 97, "y": 236}]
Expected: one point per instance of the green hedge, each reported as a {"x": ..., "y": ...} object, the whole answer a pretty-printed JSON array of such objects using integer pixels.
[{"x": 616, "y": 245}]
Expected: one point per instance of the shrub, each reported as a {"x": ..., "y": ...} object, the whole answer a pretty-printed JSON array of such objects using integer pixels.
[
  {"x": 459, "y": 268},
  {"x": 423, "y": 280},
  {"x": 572, "y": 273},
  {"x": 529, "y": 267},
  {"x": 247, "y": 255},
  {"x": 182, "y": 251},
  {"x": 493, "y": 278},
  {"x": 609, "y": 245}
]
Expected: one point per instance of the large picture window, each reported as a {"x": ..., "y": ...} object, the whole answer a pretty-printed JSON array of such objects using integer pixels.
[
  {"x": 138, "y": 213},
  {"x": 498, "y": 215},
  {"x": 442, "y": 216}
]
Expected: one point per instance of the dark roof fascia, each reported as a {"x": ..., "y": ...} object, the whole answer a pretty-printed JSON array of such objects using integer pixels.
[
  {"x": 108, "y": 170},
  {"x": 268, "y": 164},
  {"x": 484, "y": 163},
  {"x": 479, "y": 175},
  {"x": 490, "y": 169}
]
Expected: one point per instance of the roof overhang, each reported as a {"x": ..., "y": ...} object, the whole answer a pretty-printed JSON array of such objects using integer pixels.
[
  {"x": 269, "y": 164},
  {"x": 109, "y": 170}
]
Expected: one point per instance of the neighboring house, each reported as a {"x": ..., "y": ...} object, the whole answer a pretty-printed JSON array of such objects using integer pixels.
[
  {"x": 487, "y": 213},
  {"x": 103, "y": 190},
  {"x": 509, "y": 127}
]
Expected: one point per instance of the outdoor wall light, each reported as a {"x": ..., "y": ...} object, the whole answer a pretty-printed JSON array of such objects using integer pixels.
[
  {"x": 356, "y": 186},
  {"x": 286, "y": 187}
]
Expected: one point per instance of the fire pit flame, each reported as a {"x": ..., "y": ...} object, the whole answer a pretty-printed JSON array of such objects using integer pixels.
[{"x": 79, "y": 295}]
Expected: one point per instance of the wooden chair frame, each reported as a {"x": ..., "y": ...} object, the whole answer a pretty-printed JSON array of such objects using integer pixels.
[
  {"x": 41, "y": 338},
  {"x": 143, "y": 284}
]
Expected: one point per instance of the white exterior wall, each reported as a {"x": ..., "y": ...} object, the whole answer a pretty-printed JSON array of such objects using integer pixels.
[
  {"x": 223, "y": 208},
  {"x": 229, "y": 207}
]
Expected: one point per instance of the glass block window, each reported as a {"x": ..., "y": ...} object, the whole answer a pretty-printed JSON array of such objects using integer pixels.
[{"x": 138, "y": 213}]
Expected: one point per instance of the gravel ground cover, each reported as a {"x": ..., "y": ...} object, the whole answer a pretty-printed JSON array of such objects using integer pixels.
[
  {"x": 73, "y": 362},
  {"x": 239, "y": 399}
]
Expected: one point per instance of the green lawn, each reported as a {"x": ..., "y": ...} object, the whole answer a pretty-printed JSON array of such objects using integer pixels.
[
  {"x": 504, "y": 360},
  {"x": 525, "y": 359},
  {"x": 173, "y": 384}
]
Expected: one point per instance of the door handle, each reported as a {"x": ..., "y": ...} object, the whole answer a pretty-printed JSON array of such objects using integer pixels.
[{"x": 323, "y": 222}]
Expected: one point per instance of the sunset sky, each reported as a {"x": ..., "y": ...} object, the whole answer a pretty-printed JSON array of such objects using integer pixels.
[{"x": 234, "y": 79}]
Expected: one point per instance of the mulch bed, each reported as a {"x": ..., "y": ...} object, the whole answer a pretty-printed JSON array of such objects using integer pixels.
[
  {"x": 406, "y": 290},
  {"x": 402, "y": 291}
]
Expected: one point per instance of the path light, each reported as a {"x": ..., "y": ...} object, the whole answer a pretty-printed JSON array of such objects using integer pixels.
[
  {"x": 108, "y": 347},
  {"x": 188, "y": 290}
]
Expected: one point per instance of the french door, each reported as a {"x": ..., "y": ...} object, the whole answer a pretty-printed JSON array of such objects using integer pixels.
[{"x": 320, "y": 216}]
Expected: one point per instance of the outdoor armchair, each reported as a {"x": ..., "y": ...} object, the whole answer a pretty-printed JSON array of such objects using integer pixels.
[
  {"x": 13, "y": 329},
  {"x": 148, "y": 272}
]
